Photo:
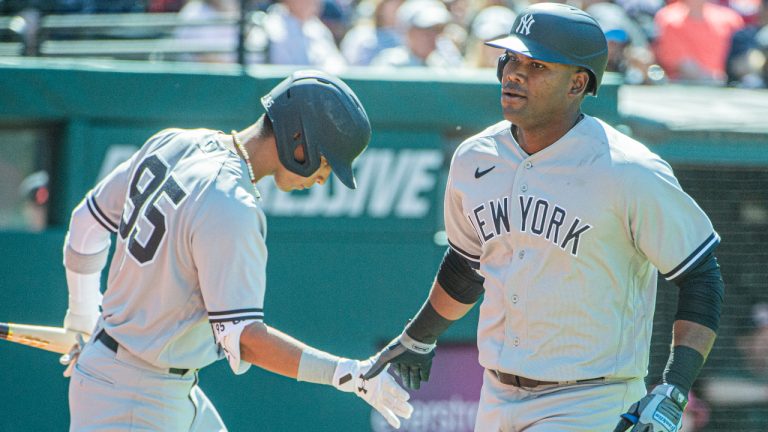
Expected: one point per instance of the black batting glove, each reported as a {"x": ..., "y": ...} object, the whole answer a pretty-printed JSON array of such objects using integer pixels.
[
  {"x": 659, "y": 411},
  {"x": 411, "y": 360}
]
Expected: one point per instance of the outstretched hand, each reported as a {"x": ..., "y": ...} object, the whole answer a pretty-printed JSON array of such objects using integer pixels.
[
  {"x": 411, "y": 360},
  {"x": 381, "y": 392}
]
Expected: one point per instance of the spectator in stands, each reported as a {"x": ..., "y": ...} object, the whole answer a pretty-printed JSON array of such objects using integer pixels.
[
  {"x": 629, "y": 51},
  {"x": 422, "y": 22},
  {"x": 296, "y": 36},
  {"x": 490, "y": 23},
  {"x": 643, "y": 12},
  {"x": 739, "y": 396},
  {"x": 335, "y": 14},
  {"x": 159, "y": 6},
  {"x": 374, "y": 32},
  {"x": 456, "y": 31},
  {"x": 748, "y": 9},
  {"x": 636, "y": 8},
  {"x": 746, "y": 65},
  {"x": 93, "y": 6},
  {"x": 8, "y": 7},
  {"x": 693, "y": 39},
  {"x": 220, "y": 39}
]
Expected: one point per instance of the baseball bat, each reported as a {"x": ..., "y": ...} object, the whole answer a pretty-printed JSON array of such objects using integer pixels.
[
  {"x": 55, "y": 339},
  {"x": 623, "y": 425}
]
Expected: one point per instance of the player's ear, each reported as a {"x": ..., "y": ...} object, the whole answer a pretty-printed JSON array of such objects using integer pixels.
[
  {"x": 579, "y": 82},
  {"x": 298, "y": 152}
]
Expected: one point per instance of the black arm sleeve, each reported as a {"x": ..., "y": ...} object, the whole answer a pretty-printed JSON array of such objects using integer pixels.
[
  {"x": 427, "y": 325},
  {"x": 700, "y": 301},
  {"x": 683, "y": 367},
  {"x": 461, "y": 282},
  {"x": 458, "y": 279},
  {"x": 701, "y": 294}
]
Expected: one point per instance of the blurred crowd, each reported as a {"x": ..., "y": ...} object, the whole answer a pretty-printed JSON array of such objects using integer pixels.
[{"x": 717, "y": 42}]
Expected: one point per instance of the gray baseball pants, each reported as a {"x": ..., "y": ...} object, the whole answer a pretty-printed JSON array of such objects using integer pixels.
[
  {"x": 111, "y": 391},
  {"x": 588, "y": 407}
]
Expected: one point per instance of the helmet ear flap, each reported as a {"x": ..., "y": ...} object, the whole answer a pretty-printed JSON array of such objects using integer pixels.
[{"x": 503, "y": 59}]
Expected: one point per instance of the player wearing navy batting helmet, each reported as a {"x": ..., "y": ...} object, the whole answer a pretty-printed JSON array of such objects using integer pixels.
[
  {"x": 563, "y": 223},
  {"x": 188, "y": 276}
]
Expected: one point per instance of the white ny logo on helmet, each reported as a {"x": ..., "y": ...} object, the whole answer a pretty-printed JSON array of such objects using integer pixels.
[
  {"x": 267, "y": 100},
  {"x": 524, "y": 27}
]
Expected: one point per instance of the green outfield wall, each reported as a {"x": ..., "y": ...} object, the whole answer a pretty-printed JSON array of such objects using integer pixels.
[{"x": 346, "y": 269}]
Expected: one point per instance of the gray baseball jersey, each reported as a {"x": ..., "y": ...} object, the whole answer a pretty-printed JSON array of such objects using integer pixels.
[
  {"x": 569, "y": 241},
  {"x": 190, "y": 251}
]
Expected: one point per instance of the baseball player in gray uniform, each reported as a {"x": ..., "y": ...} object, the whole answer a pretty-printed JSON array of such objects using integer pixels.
[
  {"x": 563, "y": 223},
  {"x": 187, "y": 280}
]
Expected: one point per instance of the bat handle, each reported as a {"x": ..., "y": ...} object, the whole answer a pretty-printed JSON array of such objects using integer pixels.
[{"x": 623, "y": 425}]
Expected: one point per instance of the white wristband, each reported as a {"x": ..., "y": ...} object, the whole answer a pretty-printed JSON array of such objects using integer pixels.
[
  {"x": 317, "y": 366},
  {"x": 414, "y": 345}
]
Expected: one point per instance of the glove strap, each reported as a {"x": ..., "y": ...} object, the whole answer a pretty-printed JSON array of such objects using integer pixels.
[
  {"x": 344, "y": 374},
  {"x": 416, "y": 346},
  {"x": 672, "y": 392}
]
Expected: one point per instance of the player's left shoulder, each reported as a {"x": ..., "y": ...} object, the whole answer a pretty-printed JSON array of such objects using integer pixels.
[{"x": 625, "y": 150}]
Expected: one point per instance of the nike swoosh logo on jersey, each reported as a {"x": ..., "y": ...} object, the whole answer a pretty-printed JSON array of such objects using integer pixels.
[{"x": 479, "y": 173}]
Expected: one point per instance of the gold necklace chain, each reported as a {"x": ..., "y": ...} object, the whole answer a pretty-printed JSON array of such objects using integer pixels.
[{"x": 241, "y": 147}]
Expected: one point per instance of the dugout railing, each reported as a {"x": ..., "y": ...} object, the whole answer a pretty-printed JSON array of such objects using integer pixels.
[{"x": 132, "y": 36}]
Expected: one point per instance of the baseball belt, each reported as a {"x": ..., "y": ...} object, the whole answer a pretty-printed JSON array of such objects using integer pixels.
[
  {"x": 519, "y": 381},
  {"x": 112, "y": 344}
]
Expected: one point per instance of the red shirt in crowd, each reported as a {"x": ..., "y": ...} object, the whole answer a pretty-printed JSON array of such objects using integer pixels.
[{"x": 704, "y": 40}]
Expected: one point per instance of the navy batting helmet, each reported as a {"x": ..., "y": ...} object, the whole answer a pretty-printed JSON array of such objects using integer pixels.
[
  {"x": 557, "y": 33},
  {"x": 322, "y": 114}
]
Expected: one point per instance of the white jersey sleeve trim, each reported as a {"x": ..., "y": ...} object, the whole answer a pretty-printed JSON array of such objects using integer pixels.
[
  {"x": 705, "y": 248},
  {"x": 99, "y": 215},
  {"x": 255, "y": 314},
  {"x": 474, "y": 259}
]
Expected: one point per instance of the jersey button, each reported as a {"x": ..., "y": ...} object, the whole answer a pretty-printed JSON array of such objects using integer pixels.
[
  {"x": 524, "y": 188},
  {"x": 516, "y": 341},
  {"x": 528, "y": 165},
  {"x": 515, "y": 298},
  {"x": 521, "y": 254}
]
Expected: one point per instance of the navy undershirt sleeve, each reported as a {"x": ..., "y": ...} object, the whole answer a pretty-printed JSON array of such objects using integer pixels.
[
  {"x": 458, "y": 279},
  {"x": 700, "y": 298}
]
